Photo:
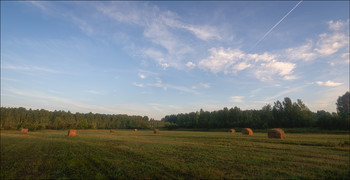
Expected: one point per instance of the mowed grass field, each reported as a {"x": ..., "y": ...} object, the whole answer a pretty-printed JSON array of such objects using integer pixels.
[{"x": 125, "y": 154}]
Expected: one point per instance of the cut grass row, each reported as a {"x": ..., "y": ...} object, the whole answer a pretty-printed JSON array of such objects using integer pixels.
[{"x": 99, "y": 154}]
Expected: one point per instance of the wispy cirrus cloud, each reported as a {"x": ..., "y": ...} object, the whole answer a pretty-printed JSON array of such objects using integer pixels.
[
  {"x": 30, "y": 68},
  {"x": 56, "y": 11},
  {"x": 201, "y": 85},
  {"x": 160, "y": 84},
  {"x": 162, "y": 28},
  {"x": 285, "y": 93},
  {"x": 59, "y": 101},
  {"x": 138, "y": 85},
  {"x": 44, "y": 6}
]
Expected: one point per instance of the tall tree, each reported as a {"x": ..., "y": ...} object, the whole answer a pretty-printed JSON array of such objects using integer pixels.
[{"x": 343, "y": 106}]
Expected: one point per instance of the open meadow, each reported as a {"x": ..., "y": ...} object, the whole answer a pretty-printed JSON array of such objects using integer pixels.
[{"x": 125, "y": 154}]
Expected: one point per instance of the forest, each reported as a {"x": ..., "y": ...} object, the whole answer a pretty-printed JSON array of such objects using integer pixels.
[
  {"x": 17, "y": 118},
  {"x": 285, "y": 114}
]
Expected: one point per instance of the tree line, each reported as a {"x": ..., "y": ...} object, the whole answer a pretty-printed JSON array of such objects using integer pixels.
[
  {"x": 17, "y": 118},
  {"x": 285, "y": 114}
]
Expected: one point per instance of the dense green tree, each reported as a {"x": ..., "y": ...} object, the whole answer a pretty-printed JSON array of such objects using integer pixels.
[
  {"x": 285, "y": 114},
  {"x": 16, "y": 118},
  {"x": 343, "y": 106}
]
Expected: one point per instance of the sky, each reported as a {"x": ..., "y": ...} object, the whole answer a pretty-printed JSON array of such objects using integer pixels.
[{"x": 159, "y": 58}]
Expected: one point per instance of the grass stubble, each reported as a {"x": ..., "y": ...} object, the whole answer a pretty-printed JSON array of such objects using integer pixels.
[{"x": 125, "y": 154}]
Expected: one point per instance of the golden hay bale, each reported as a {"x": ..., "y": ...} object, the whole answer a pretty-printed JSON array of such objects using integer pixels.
[
  {"x": 72, "y": 132},
  {"x": 135, "y": 130},
  {"x": 24, "y": 131},
  {"x": 232, "y": 131},
  {"x": 112, "y": 131},
  {"x": 156, "y": 131},
  {"x": 276, "y": 133},
  {"x": 247, "y": 131}
]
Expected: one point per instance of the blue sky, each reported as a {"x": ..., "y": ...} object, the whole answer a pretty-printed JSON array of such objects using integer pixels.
[{"x": 160, "y": 58}]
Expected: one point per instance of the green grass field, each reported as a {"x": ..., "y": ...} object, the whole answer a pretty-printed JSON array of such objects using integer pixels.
[{"x": 99, "y": 154}]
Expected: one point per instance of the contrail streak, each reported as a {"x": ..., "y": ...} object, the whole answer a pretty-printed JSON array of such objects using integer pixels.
[{"x": 268, "y": 32}]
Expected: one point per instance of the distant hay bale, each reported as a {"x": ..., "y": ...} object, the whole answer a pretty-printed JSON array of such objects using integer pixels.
[
  {"x": 24, "y": 131},
  {"x": 156, "y": 131},
  {"x": 247, "y": 131},
  {"x": 232, "y": 131},
  {"x": 135, "y": 130},
  {"x": 112, "y": 131},
  {"x": 276, "y": 133},
  {"x": 72, "y": 132}
]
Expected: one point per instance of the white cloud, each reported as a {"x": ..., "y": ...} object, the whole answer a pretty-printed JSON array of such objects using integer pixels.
[
  {"x": 165, "y": 65},
  {"x": 205, "y": 85},
  {"x": 328, "y": 83},
  {"x": 241, "y": 66},
  {"x": 201, "y": 85},
  {"x": 327, "y": 44},
  {"x": 290, "y": 77},
  {"x": 142, "y": 76},
  {"x": 303, "y": 52},
  {"x": 138, "y": 85},
  {"x": 221, "y": 60},
  {"x": 201, "y": 32},
  {"x": 237, "y": 99},
  {"x": 282, "y": 68},
  {"x": 204, "y": 33},
  {"x": 346, "y": 57},
  {"x": 267, "y": 57},
  {"x": 268, "y": 71},
  {"x": 331, "y": 43},
  {"x": 269, "y": 66},
  {"x": 190, "y": 64},
  {"x": 160, "y": 84},
  {"x": 337, "y": 25},
  {"x": 263, "y": 66}
]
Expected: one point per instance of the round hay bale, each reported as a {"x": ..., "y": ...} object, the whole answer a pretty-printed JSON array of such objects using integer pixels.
[
  {"x": 135, "y": 130},
  {"x": 276, "y": 133},
  {"x": 24, "y": 131},
  {"x": 156, "y": 131},
  {"x": 247, "y": 131},
  {"x": 232, "y": 131},
  {"x": 72, "y": 132},
  {"x": 112, "y": 131}
]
